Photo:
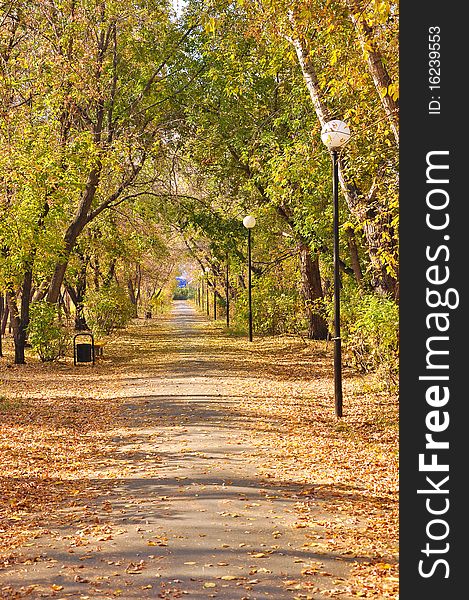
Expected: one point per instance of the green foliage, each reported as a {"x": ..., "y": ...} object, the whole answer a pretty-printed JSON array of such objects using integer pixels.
[
  {"x": 185, "y": 125},
  {"x": 276, "y": 309},
  {"x": 46, "y": 334},
  {"x": 370, "y": 332},
  {"x": 181, "y": 294},
  {"x": 101, "y": 77},
  {"x": 107, "y": 309}
]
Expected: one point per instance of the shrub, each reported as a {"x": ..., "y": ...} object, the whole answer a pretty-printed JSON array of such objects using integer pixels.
[
  {"x": 370, "y": 332},
  {"x": 275, "y": 309},
  {"x": 107, "y": 309},
  {"x": 46, "y": 334}
]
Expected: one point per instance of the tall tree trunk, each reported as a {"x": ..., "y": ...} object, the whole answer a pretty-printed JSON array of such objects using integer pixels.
[
  {"x": 40, "y": 292},
  {"x": 312, "y": 293},
  {"x": 77, "y": 293},
  {"x": 132, "y": 296},
  {"x": 311, "y": 283},
  {"x": 20, "y": 318},
  {"x": 2, "y": 309},
  {"x": 72, "y": 233},
  {"x": 64, "y": 304},
  {"x": 77, "y": 298},
  {"x": 376, "y": 66},
  {"x": 96, "y": 273},
  {"x": 107, "y": 280},
  {"x": 354, "y": 259},
  {"x": 19, "y": 335}
]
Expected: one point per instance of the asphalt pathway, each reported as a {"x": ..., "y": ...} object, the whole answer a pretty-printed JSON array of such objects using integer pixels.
[{"x": 193, "y": 518}]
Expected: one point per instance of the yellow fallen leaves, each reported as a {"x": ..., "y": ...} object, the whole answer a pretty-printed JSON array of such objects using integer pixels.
[
  {"x": 290, "y": 419},
  {"x": 52, "y": 444},
  {"x": 135, "y": 568},
  {"x": 312, "y": 569},
  {"x": 160, "y": 541}
]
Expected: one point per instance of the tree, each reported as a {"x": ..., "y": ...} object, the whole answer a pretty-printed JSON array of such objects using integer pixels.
[
  {"x": 237, "y": 122},
  {"x": 340, "y": 87},
  {"x": 370, "y": 20}
]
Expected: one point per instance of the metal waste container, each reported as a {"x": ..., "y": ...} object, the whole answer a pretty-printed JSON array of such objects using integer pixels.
[{"x": 83, "y": 352}]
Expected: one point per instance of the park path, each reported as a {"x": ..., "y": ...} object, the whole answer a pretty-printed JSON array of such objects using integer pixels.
[{"x": 193, "y": 517}]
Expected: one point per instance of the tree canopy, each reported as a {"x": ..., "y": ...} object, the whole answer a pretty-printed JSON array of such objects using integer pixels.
[{"x": 134, "y": 134}]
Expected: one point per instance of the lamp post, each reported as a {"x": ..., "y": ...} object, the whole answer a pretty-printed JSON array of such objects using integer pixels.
[
  {"x": 249, "y": 221},
  {"x": 336, "y": 134},
  {"x": 202, "y": 292},
  {"x": 207, "y": 271}
]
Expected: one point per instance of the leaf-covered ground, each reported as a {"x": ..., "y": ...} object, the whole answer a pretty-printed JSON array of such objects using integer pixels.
[{"x": 59, "y": 421}]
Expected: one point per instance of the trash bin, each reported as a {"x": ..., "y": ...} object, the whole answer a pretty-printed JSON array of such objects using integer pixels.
[{"x": 83, "y": 352}]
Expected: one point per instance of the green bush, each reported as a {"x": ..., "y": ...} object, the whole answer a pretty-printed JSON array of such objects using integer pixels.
[
  {"x": 370, "y": 333},
  {"x": 107, "y": 309},
  {"x": 181, "y": 294},
  {"x": 47, "y": 336}
]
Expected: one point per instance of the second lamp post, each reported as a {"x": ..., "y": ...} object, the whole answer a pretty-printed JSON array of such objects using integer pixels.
[
  {"x": 249, "y": 221},
  {"x": 207, "y": 271},
  {"x": 336, "y": 134}
]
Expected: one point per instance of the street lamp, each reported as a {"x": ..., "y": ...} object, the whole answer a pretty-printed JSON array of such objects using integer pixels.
[
  {"x": 202, "y": 294},
  {"x": 336, "y": 134},
  {"x": 249, "y": 221},
  {"x": 214, "y": 301}
]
